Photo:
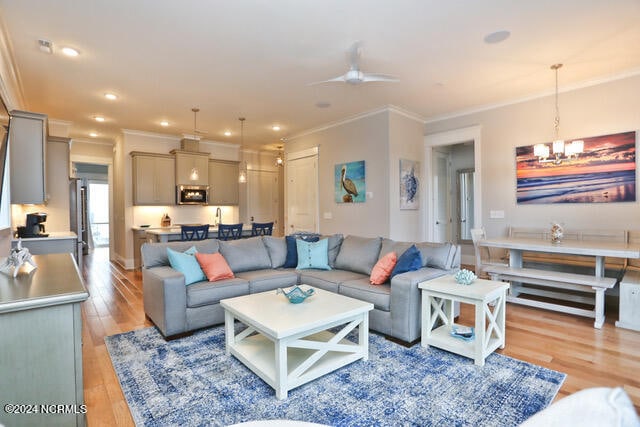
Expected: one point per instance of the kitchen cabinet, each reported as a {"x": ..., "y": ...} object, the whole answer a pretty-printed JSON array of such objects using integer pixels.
[
  {"x": 223, "y": 183},
  {"x": 41, "y": 338},
  {"x": 139, "y": 239},
  {"x": 191, "y": 167},
  {"x": 153, "y": 179},
  {"x": 28, "y": 147}
]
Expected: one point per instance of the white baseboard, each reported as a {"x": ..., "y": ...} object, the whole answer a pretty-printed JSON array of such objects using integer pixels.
[{"x": 126, "y": 263}]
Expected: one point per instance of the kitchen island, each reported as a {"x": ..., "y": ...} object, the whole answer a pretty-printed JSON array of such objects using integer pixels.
[
  {"x": 56, "y": 242},
  {"x": 168, "y": 234}
]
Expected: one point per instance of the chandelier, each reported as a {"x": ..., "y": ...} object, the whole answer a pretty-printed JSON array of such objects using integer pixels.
[{"x": 561, "y": 151}]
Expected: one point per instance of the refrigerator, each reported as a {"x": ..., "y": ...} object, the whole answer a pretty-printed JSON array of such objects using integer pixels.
[{"x": 78, "y": 217}]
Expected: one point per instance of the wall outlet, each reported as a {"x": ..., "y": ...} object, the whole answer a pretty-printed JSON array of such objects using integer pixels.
[
  {"x": 496, "y": 214},
  {"x": 327, "y": 215},
  {"x": 369, "y": 194}
]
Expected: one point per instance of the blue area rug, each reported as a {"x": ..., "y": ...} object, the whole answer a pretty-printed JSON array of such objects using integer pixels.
[{"x": 191, "y": 382}]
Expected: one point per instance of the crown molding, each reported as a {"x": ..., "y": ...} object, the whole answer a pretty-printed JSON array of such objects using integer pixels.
[
  {"x": 171, "y": 138},
  {"x": 92, "y": 141},
  {"x": 60, "y": 122},
  {"x": 10, "y": 82},
  {"x": 406, "y": 113},
  {"x": 569, "y": 88}
]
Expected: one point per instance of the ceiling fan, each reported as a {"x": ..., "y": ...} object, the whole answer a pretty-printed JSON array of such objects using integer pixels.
[{"x": 354, "y": 75}]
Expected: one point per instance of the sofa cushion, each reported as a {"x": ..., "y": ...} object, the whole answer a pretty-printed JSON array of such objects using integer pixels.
[
  {"x": 187, "y": 264},
  {"x": 155, "y": 254},
  {"x": 439, "y": 255},
  {"x": 389, "y": 245},
  {"x": 379, "y": 296},
  {"x": 269, "y": 279},
  {"x": 292, "y": 247},
  {"x": 205, "y": 293},
  {"x": 383, "y": 268},
  {"x": 313, "y": 255},
  {"x": 410, "y": 260},
  {"x": 277, "y": 248},
  {"x": 329, "y": 280},
  {"x": 358, "y": 254},
  {"x": 214, "y": 266},
  {"x": 245, "y": 254},
  {"x": 335, "y": 241}
]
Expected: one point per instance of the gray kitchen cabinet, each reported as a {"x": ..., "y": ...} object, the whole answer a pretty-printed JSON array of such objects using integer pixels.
[
  {"x": 223, "y": 183},
  {"x": 28, "y": 147},
  {"x": 153, "y": 179},
  {"x": 41, "y": 336},
  {"x": 191, "y": 167}
]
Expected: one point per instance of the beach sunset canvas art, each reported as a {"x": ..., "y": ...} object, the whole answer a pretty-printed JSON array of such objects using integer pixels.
[{"x": 604, "y": 173}]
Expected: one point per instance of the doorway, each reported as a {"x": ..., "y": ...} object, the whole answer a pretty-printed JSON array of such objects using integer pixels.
[
  {"x": 452, "y": 154},
  {"x": 301, "y": 175},
  {"x": 98, "y": 215},
  {"x": 95, "y": 180}
]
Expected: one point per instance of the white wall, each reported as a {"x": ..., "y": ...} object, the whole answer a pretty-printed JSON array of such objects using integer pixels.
[
  {"x": 603, "y": 109},
  {"x": 406, "y": 135},
  {"x": 365, "y": 138}
]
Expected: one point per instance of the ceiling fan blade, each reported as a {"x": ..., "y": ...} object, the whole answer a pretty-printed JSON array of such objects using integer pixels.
[
  {"x": 375, "y": 77},
  {"x": 336, "y": 79}
]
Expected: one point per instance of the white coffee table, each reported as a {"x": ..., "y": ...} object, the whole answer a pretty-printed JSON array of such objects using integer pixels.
[
  {"x": 287, "y": 344},
  {"x": 487, "y": 296}
]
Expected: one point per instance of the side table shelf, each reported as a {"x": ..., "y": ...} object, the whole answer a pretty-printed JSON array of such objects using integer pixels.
[{"x": 438, "y": 296}]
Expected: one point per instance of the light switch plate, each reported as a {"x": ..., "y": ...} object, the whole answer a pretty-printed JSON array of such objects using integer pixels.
[
  {"x": 327, "y": 215},
  {"x": 496, "y": 214}
]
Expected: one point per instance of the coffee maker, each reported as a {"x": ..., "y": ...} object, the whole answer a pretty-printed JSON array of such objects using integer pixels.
[{"x": 34, "y": 226}]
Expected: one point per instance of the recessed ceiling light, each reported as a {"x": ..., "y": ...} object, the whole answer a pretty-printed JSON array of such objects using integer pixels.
[
  {"x": 93, "y": 134},
  {"x": 69, "y": 51},
  {"x": 111, "y": 96},
  {"x": 497, "y": 37},
  {"x": 275, "y": 127},
  {"x": 227, "y": 133},
  {"x": 99, "y": 119},
  {"x": 164, "y": 123}
]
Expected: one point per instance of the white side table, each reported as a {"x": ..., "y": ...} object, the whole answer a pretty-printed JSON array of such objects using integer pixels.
[{"x": 489, "y": 299}]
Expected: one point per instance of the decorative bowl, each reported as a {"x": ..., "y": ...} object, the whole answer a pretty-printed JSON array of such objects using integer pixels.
[
  {"x": 465, "y": 277},
  {"x": 296, "y": 294}
]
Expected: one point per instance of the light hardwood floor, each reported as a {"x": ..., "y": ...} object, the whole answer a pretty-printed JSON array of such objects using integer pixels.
[{"x": 590, "y": 357}]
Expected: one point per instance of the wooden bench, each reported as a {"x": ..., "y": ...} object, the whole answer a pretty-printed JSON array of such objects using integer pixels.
[{"x": 558, "y": 280}]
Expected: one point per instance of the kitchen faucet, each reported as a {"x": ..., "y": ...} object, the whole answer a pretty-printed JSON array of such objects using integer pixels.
[{"x": 218, "y": 219}]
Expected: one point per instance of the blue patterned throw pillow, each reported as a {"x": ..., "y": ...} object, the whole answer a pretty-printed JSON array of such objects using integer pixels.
[
  {"x": 410, "y": 260},
  {"x": 187, "y": 264},
  {"x": 313, "y": 255}
]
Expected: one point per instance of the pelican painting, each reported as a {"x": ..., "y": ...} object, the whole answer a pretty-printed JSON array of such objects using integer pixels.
[
  {"x": 350, "y": 182},
  {"x": 409, "y": 184}
]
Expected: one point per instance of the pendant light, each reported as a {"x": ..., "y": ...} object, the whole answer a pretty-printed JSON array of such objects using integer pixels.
[
  {"x": 195, "y": 173},
  {"x": 280, "y": 157},
  {"x": 242, "y": 176}
]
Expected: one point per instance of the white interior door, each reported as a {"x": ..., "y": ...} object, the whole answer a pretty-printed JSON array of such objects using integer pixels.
[
  {"x": 302, "y": 194},
  {"x": 262, "y": 197},
  {"x": 442, "y": 196}
]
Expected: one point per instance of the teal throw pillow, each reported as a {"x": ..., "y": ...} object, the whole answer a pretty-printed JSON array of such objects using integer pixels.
[
  {"x": 313, "y": 254},
  {"x": 187, "y": 264},
  {"x": 410, "y": 260}
]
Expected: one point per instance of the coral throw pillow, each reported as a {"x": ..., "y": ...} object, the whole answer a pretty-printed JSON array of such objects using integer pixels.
[
  {"x": 215, "y": 267},
  {"x": 382, "y": 270}
]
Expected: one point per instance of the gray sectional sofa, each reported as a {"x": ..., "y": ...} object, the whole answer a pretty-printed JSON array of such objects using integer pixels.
[{"x": 257, "y": 264}]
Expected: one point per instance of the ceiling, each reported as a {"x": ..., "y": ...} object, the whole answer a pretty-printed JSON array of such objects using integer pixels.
[{"x": 256, "y": 58}]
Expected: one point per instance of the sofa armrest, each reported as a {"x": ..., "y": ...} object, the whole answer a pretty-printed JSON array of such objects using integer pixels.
[
  {"x": 405, "y": 302},
  {"x": 165, "y": 299}
]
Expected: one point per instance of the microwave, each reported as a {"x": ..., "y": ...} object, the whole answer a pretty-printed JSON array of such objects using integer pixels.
[{"x": 192, "y": 194}]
